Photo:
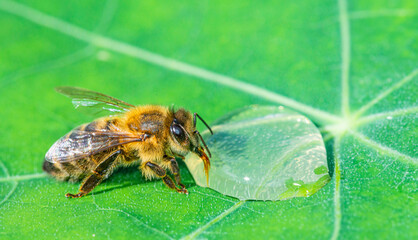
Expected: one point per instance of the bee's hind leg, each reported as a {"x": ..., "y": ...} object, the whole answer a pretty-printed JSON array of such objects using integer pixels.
[
  {"x": 160, "y": 172},
  {"x": 96, "y": 176}
]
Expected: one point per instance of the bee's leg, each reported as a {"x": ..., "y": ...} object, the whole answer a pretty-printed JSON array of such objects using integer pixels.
[
  {"x": 160, "y": 172},
  {"x": 174, "y": 167},
  {"x": 97, "y": 175}
]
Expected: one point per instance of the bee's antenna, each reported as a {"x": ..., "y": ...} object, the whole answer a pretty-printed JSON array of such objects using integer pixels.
[
  {"x": 204, "y": 144},
  {"x": 194, "y": 123},
  {"x": 194, "y": 120}
]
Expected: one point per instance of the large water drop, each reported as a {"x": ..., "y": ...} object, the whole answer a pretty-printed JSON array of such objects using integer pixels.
[{"x": 263, "y": 153}]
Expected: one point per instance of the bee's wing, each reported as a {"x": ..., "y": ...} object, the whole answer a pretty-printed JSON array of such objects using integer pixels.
[
  {"x": 80, "y": 144},
  {"x": 94, "y": 102}
]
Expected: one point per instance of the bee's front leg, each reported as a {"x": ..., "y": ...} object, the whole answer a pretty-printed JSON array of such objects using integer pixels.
[
  {"x": 160, "y": 172},
  {"x": 174, "y": 168}
]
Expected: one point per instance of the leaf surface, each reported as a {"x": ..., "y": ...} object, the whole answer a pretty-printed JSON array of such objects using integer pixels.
[{"x": 350, "y": 66}]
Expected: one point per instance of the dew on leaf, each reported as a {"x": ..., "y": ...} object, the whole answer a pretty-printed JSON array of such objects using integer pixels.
[{"x": 263, "y": 153}]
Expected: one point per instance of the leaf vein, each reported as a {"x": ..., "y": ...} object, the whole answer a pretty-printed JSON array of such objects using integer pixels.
[
  {"x": 387, "y": 150},
  {"x": 216, "y": 219},
  {"x": 383, "y": 115},
  {"x": 18, "y": 178},
  {"x": 6, "y": 172},
  {"x": 345, "y": 56},
  {"x": 224, "y": 199},
  {"x": 385, "y": 93},
  {"x": 337, "y": 201},
  {"x": 131, "y": 216}
]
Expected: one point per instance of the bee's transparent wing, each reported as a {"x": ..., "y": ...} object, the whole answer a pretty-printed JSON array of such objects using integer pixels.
[
  {"x": 80, "y": 144},
  {"x": 94, "y": 103}
]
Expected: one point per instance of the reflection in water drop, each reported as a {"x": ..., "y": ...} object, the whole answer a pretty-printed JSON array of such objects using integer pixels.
[{"x": 264, "y": 153}]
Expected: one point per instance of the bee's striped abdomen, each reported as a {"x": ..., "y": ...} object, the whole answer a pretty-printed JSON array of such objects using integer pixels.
[
  {"x": 69, "y": 171},
  {"x": 76, "y": 169}
]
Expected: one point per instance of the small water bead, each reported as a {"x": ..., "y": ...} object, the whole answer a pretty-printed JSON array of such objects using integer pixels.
[{"x": 263, "y": 153}]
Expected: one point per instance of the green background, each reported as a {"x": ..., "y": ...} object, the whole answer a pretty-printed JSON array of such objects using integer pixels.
[{"x": 349, "y": 66}]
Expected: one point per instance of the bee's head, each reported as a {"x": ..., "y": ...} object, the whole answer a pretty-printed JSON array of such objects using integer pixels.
[{"x": 185, "y": 137}]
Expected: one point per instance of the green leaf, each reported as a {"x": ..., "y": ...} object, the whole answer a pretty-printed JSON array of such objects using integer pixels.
[
  {"x": 263, "y": 153},
  {"x": 350, "y": 66}
]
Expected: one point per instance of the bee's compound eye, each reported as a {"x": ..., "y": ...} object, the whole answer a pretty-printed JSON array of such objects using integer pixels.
[{"x": 178, "y": 132}]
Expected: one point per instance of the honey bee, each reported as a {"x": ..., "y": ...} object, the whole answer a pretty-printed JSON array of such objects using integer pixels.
[{"x": 151, "y": 136}]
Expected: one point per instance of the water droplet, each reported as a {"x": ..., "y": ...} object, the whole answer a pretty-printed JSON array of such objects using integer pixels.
[{"x": 263, "y": 153}]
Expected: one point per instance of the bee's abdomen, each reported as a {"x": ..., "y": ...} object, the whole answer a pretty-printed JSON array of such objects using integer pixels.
[
  {"x": 70, "y": 171},
  {"x": 74, "y": 169}
]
